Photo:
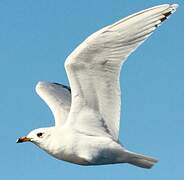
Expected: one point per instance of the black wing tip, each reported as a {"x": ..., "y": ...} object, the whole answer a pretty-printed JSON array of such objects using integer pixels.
[
  {"x": 172, "y": 9},
  {"x": 166, "y": 15},
  {"x": 64, "y": 86}
]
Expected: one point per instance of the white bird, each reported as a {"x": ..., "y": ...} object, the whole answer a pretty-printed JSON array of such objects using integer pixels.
[{"x": 87, "y": 117}]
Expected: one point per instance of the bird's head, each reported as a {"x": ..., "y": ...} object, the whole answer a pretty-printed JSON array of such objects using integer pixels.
[{"x": 38, "y": 136}]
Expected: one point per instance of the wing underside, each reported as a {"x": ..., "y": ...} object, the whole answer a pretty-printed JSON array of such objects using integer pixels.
[{"x": 57, "y": 97}]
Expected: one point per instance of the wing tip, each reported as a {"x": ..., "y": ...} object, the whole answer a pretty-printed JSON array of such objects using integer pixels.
[
  {"x": 166, "y": 13},
  {"x": 174, "y": 6},
  {"x": 39, "y": 85},
  {"x": 166, "y": 6}
]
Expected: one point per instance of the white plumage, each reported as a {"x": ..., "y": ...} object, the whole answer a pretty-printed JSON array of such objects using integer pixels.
[
  {"x": 87, "y": 116},
  {"x": 58, "y": 98}
]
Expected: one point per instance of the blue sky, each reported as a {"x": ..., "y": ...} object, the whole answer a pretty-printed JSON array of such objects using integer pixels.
[{"x": 35, "y": 39}]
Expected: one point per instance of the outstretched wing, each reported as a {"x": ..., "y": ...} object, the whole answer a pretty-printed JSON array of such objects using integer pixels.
[
  {"x": 94, "y": 67},
  {"x": 57, "y": 97}
]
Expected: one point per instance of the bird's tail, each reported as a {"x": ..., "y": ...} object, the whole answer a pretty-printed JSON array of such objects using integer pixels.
[{"x": 141, "y": 160}]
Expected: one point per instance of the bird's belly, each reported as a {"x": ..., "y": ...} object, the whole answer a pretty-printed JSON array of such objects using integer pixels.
[
  {"x": 91, "y": 153},
  {"x": 105, "y": 156},
  {"x": 70, "y": 157}
]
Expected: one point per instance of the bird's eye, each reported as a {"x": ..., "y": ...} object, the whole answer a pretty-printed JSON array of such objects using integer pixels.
[{"x": 39, "y": 134}]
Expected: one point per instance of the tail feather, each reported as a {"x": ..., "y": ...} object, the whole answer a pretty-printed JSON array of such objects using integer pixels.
[{"x": 141, "y": 160}]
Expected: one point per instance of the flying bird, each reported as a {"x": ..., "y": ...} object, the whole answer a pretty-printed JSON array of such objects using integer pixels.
[{"x": 87, "y": 116}]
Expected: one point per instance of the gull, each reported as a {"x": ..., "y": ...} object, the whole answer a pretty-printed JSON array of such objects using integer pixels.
[{"x": 87, "y": 116}]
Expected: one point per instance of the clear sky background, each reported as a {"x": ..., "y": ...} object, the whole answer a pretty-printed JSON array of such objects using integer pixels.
[{"x": 35, "y": 38}]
